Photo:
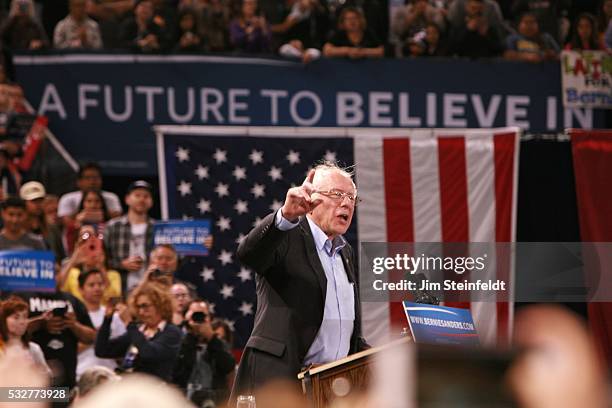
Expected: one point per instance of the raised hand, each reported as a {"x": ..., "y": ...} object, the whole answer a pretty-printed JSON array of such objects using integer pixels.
[{"x": 298, "y": 201}]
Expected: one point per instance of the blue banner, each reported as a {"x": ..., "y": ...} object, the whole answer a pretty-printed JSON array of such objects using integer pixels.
[
  {"x": 187, "y": 237},
  {"x": 27, "y": 271},
  {"x": 440, "y": 324},
  {"x": 102, "y": 107}
]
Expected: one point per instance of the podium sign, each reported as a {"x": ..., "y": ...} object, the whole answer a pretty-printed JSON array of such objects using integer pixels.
[{"x": 440, "y": 324}]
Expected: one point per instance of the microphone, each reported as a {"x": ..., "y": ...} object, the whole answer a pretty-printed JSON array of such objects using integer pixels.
[{"x": 423, "y": 296}]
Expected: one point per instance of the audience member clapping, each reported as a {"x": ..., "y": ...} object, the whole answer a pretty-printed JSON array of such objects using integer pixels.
[
  {"x": 77, "y": 30},
  {"x": 188, "y": 36},
  {"x": 152, "y": 342},
  {"x": 530, "y": 44},
  {"x": 353, "y": 39},
  {"x": 145, "y": 31},
  {"x": 249, "y": 31}
]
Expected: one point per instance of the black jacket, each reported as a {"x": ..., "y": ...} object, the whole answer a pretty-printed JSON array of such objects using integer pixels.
[
  {"x": 156, "y": 356},
  {"x": 291, "y": 288},
  {"x": 221, "y": 362}
]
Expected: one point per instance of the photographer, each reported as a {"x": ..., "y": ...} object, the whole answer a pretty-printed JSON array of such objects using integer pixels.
[
  {"x": 204, "y": 369},
  {"x": 150, "y": 345}
]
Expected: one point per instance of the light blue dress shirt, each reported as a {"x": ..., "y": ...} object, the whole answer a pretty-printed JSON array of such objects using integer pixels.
[{"x": 334, "y": 337}]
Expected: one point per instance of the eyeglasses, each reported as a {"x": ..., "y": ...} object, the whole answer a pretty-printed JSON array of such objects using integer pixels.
[
  {"x": 144, "y": 306},
  {"x": 339, "y": 196}
]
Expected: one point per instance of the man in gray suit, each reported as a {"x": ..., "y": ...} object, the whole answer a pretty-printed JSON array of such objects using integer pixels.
[{"x": 308, "y": 309}]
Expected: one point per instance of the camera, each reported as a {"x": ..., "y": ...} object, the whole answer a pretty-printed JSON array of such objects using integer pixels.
[
  {"x": 198, "y": 317},
  {"x": 60, "y": 311}
]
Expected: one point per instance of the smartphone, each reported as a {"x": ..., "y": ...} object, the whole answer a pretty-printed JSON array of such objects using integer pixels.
[
  {"x": 114, "y": 301},
  {"x": 60, "y": 311}
]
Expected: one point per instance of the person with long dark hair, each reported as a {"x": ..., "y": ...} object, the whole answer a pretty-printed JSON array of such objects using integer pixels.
[{"x": 584, "y": 34}]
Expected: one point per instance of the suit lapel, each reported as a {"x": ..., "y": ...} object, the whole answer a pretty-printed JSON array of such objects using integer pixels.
[{"x": 313, "y": 256}]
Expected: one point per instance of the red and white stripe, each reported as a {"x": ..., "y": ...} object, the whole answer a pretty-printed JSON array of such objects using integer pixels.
[{"x": 439, "y": 186}]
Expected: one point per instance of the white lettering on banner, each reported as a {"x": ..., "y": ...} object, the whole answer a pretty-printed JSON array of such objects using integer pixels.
[
  {"x": 485, "y": 118},
  {"x": 150, "y": 92},
  {"x": 84, "y": 101},
  {"x": 454, "y": 107},
  {"x": 379, "y": 105},
  {"x": 431, "y": 109},
  {"x": 516, "y": 111},
  {"x": 584, "y": 117},
  {"x": 318, "y": 108},
  {"x": 349, "y": 109},
  {"x": 404, "y": 112},
  {"x": 212, "y": 107},
  {"x": 551, "y": 113},
  {"x": 51, "y": 102},
  {"x": 235, "y": 106},
  {"x": 273, "y": 94},
  {"x": 174, "y": 115},
  {"x": 128, "y": 104}
]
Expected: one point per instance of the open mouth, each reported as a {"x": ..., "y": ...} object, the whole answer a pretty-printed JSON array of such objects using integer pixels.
[{"x": 343, "y": 217}]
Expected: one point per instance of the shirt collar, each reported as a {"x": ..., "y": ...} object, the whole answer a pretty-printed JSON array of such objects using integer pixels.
[
  {"x": 160, "y": 327},
  {"x": 322, "y": 242}
]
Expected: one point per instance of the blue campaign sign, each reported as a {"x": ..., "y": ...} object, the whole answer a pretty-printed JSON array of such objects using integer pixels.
[
  {"x": 102, "y": 107},
  {"x": 22, "y": 270},
  {"x": 440, "y": 324},
  {"x": 187, "y": 237}
]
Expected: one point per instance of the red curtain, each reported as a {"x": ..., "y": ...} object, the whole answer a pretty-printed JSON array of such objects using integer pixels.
[{"x": 592, "y": 154}]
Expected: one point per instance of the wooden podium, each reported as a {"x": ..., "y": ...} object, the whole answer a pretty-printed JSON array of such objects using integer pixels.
[{"x": 317, "y": 382}]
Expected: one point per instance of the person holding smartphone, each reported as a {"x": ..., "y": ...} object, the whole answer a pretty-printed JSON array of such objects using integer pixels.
[
  {"x": 89, "y": 254},
  {"x": 92, "y": 287},
  {"x": 151, "y": 343},
  {"x": 204, "y": 368}
]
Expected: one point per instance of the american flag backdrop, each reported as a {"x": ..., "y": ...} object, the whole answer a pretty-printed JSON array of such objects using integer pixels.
[
  {"x": 417, "y": 186},
  {"x": 235, "y": 181}
]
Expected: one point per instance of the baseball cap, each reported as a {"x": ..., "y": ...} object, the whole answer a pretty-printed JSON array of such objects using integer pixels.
[
  {"x": 32, "y": 190},
  {"x": 139, "y": 184}
]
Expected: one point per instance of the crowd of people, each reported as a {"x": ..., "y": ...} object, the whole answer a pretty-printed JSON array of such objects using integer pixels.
[
  {"x": 527, "y": 30},
  {"x": 117, "y": 303}
]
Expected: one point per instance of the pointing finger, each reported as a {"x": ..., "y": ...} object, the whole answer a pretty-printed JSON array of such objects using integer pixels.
[{"x": 309, "y": 177}]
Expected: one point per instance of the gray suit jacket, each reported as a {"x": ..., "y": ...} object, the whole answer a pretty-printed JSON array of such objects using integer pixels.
[{"x": 291, "y": 288}]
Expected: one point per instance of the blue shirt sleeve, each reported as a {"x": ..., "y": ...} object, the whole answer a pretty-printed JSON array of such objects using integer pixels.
[{"x": 282, "y": 223}]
